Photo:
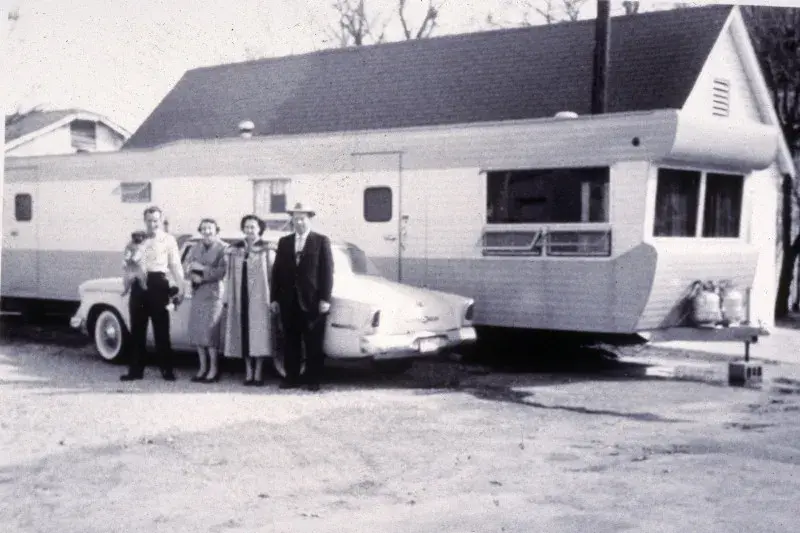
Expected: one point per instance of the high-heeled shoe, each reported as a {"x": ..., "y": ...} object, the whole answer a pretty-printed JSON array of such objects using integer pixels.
[
  {"x": 199, "y": 378},
  {"x": 212, "y": 379}
]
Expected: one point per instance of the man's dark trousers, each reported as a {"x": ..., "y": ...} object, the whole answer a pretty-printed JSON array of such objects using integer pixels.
[
  {"x": 146, "y": 305},
  {"x": 303, "y": 329}
]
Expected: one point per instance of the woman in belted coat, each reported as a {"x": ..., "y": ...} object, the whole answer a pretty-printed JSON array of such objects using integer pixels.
[
  {"x": 205, "y": 266},
  {"x": 248, "y": 328}
]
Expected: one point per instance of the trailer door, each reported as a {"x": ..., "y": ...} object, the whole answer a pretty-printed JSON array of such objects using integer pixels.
[
  {"x": 377, "y": 180},
  {"x": 20, "y": 261}
]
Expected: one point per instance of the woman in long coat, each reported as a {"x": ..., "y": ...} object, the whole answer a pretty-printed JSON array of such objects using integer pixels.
[
  {"x": 248, "y": 328},
  {"x": 205, "y": 266}
]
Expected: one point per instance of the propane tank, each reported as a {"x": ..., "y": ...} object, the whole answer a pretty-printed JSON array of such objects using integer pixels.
[
  {"x": 706, "y": 308},
  {"x": 732, "y": 304}
]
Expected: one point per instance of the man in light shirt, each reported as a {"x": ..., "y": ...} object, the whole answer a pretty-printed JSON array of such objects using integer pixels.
[
  {"x": 300, "y": 291},
  {"x": 161, "y": 256}
]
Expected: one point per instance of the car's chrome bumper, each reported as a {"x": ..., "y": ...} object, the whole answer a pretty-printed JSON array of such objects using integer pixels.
[
  {"x": 78, "y": 322},
  {"x": 424, "y": 343}
]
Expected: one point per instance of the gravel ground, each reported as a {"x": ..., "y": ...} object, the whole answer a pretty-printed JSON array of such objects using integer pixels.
[{"x": 447, "y": 447}]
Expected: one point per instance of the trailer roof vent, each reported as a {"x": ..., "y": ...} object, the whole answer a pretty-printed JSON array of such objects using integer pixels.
[
  {"x": 566, "y": 114},
  {"x": 246, "y": 128}
]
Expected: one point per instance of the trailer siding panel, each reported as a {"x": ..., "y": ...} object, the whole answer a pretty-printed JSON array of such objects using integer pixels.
[{"x": 679, "y": 265}]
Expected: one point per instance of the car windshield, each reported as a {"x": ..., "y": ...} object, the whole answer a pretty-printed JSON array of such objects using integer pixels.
[{"x": 347, "y": 258}]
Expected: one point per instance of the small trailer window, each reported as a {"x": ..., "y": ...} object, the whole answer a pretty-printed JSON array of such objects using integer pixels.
[
  {"x": 135, "y": 192},
  {"x": 378, "y": 204},
  {"x": 722, "y": 211},
  {"x": 564, "y": 195},
  {"x": 677, "y": 197},
  {"x": 23, "y": 207}
]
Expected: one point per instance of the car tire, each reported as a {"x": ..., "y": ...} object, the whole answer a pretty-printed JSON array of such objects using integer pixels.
[
  {"x": 111, "y": 337},
  {"x": 393, "y": 367}
]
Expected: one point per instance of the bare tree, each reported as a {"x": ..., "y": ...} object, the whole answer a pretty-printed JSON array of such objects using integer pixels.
[
  {"x": 428, "y": 24},
  {"x": 631, "y": 8},
  {"x": 356, "y": 27},
  {"x": 572, "y": 8},
  {"x": 775, "y": 33},
  {"x": 551, "y": 11},
  {"x": 546, "y": 10},
  {"x": 13, "y": 17}
]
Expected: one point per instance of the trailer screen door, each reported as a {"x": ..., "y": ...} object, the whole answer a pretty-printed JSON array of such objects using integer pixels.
[{"x": 376, "y": 182}]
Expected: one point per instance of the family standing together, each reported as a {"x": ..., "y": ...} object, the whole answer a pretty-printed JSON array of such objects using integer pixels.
[{"x": 243, "y": 295}]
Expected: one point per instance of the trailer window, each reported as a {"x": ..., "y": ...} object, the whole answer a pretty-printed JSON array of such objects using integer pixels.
[
  {"x": 135, "y": 192},
  {"x": 378, "y": 204},
  {"x": 677, "y": 197},
  {"x": 564, "y": 195},
  {"x": 23, "y": 207},
  {"x": 722, "y": 211}
]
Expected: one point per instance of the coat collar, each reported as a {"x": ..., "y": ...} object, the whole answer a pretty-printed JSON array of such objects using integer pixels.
[{"x": 258, "y": 245}]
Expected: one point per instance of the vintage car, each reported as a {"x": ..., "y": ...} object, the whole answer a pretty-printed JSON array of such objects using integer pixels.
[{"x": 371, "y": 317}]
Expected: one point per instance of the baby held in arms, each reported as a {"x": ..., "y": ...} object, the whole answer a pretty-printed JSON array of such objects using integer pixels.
[{"x": 133, "y": 263}]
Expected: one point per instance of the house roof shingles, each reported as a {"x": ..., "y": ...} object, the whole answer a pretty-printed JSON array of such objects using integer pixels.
[
  {"x": 34, "y": 121},
  {"x": 488, "y": 76}
]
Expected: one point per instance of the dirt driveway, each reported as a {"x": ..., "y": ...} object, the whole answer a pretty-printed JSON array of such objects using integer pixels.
[{"x": 445, "y": 449}]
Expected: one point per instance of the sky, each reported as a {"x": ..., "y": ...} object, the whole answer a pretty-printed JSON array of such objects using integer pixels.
[{"x": 119, "y": 58}]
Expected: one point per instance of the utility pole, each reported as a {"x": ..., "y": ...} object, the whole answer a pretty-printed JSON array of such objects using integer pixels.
[{"x": 602, "y": 43}]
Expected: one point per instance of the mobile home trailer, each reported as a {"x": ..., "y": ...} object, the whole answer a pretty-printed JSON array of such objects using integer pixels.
[{"x": 597, "y": 224}]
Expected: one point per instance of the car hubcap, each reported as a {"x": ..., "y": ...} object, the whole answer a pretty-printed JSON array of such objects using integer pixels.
[{"x": 108, "y": 336}]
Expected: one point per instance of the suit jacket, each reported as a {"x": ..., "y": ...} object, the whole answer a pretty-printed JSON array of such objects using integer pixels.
[{"x": 310, "y": 281}]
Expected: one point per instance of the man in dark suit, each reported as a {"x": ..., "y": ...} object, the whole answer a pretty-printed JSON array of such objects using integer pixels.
[{"x": 302, "y": 281}]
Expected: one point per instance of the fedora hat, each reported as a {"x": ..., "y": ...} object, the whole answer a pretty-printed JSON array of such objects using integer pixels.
[{"x": 300, "y": 207}]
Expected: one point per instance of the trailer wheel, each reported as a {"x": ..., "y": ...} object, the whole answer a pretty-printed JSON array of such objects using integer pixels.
[
  {"x": 111, "y": 337},
  {"x": 393, "y": 367}
]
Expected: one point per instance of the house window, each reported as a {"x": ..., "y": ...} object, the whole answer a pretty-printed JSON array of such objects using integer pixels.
[
  {"x": 721, "y": 98},
  {"x": 23, "y": 207},
  {"x": 677, "y": 197},
  {"x": 378, "y": 204},
  {"x": 722, "y": 210},
  {"x": 84, "y": 135},
  {"x": 135, "y": 192},
  {"x": 548, "y": 196},
  {"x": 270, "y": 196}
]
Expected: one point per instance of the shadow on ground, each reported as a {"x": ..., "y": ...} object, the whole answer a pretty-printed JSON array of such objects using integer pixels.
[{"x": 49, "y": 355}]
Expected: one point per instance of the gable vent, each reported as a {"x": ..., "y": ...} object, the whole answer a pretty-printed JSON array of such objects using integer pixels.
[{"x": 721, "y": 98}]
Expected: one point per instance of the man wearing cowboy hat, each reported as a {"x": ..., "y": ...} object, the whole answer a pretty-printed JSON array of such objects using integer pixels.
[{"x": 302, "y": 281}]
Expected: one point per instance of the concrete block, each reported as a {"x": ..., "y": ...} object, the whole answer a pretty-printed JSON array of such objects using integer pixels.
[{"x": 744, "y": 373}]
